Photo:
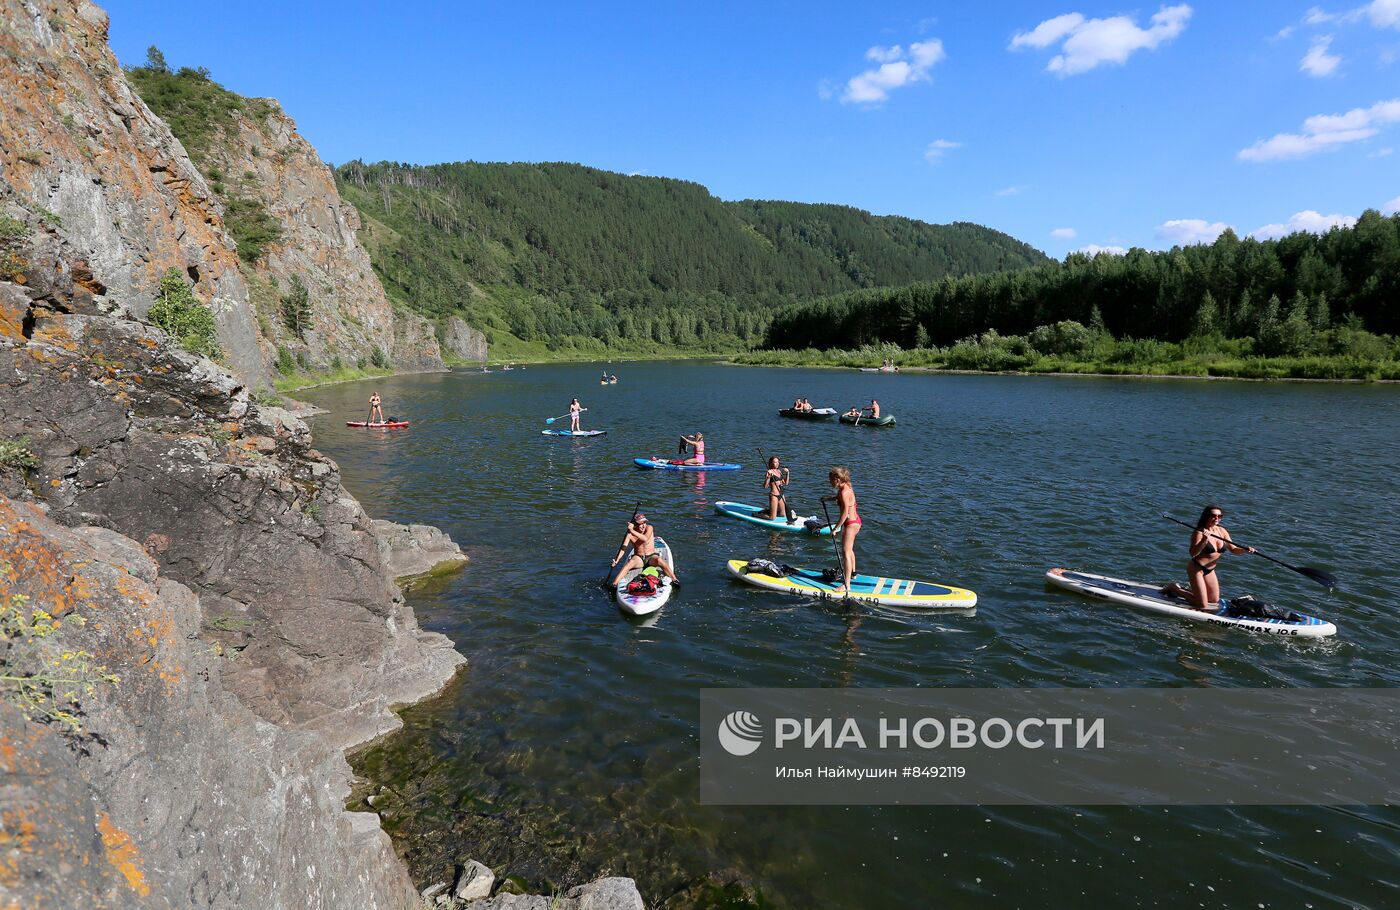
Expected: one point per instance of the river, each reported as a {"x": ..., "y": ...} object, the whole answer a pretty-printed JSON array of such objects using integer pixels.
[{"x": 569, "y": 744}]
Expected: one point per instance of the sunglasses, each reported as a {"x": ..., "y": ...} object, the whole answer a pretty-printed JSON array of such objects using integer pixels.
[{"x": 1217, "y": 514}]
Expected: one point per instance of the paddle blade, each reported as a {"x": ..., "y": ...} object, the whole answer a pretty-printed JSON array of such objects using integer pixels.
[{"x": 1326, "y": 579}]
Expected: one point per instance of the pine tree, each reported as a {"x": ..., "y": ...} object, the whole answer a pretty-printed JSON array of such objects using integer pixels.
[
  {"x": 1207, "y": 321},
  {"x": 296, "y": 308}
]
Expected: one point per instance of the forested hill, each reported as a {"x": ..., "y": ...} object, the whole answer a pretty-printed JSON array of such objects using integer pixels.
[
  {"x": 566, "y": 256},
  {"x": 1276, "y": 292}
]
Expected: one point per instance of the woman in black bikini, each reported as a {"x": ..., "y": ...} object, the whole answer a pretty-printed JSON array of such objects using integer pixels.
[
  {"x": 1209, "y": 542},
  {"x": 775, "y": 480}
]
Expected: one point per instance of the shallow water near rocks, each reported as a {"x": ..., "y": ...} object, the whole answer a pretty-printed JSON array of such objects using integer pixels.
[{"x": 569, "y": 744}]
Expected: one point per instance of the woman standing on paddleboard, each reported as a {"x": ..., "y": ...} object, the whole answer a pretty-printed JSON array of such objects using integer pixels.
[
  {"x": 575, "y": 409},
  {"x": 775, "y": 480},
  {"x": 376, "y": 412},
  {"x": 1209, "y": 542},
  {"x": 848, "y": 524}
]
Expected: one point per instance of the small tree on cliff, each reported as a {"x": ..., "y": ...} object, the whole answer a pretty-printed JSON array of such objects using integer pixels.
[
  {"x": 296, "y": 308},
  {"x": 190, "y": 322},
  {"x": 155, "y": 60}
]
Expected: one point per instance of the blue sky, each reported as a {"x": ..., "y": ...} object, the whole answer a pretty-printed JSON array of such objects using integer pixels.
[{"x": 1069, "y": 125}]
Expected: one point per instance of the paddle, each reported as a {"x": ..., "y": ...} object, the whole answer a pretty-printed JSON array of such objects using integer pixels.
[
  {"x": 562, "y": 416},
  {"x": 840, "y": 560},
  {"x": 607, "y": 580},
  {"x": 1326, "y": 579}
]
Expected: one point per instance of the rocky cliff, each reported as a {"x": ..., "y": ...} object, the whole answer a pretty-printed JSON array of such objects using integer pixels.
[
  {"x": 258, "y": 157},
  {"x": 189, "y": 540},
  {"x": 81, "y": 150},
  {"x": 277, "y": 587}
]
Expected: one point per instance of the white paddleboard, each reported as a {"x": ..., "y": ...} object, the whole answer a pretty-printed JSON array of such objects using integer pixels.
[
  {"x": 644, "y": 605},
  {"x": 1150, "y": 597}
]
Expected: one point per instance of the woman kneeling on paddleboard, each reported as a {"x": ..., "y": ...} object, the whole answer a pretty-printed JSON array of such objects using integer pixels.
[
  {"x": 848, "y": 524},
  {"x": 1209, "y": 542},
  {"x": 698, "y": 444}
]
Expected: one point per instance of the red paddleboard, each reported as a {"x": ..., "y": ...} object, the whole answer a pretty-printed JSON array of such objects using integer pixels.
[{"x": 389, "y": 425}]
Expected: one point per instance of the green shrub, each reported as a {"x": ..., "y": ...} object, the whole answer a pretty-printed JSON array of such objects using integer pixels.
[
  {"x": 15, "y": 454},
  {"x": 380, "y": 359},
  {"x": 268, "y": 398},
  {"x": 45, "y": 681},
  {"x": 252, "y": 226},
  {"x": 286, "y": 363},
  {"x": 186, "y": 319}
]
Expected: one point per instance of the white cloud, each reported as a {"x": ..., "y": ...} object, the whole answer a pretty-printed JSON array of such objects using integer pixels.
[
  {"x": 1324, "y": 132},
  {"x": 1384, "y": 13},
  {"x": 938, "y": 148},
  {"x": 1089, "y": 43},
  {"x": 1010, "y": 191},
  {"x": 1048, "y": 32},
  {"x": 1190, "y": 231},
  {"x": 898, "y": 67},
  {"x": 1382, "y": 153},
  {"x": 1317, "y": 62},
  {"x": 1310, "y": 221},
  {"x": 1392, "y": 207},
  {"x": 1318, "y": 16},
  {"x": 1285, "y": 32},
  {"x": 1094, "y": 249},
  {"x": 1064, "y": 233}
]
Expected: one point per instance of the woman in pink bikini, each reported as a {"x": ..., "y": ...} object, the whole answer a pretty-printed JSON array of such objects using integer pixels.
[
  {"x": 848, "y": 525},
  {"x": 698, "y": 444}
]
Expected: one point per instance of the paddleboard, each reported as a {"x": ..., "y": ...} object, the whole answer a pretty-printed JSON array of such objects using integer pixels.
[
  {"x": 869, "y": 589},
  {"x": 1150, "y": 597},
  {"x": 386, "y": 425},
  {"x": 643, "y": 605},
  {"x": 572, "y": 433},
  {"x": 660, "y": 465},
  {"x": 757, "y": 516}
]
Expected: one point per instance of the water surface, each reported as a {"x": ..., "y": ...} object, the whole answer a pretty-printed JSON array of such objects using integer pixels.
[{"x": 569, "y": 745}]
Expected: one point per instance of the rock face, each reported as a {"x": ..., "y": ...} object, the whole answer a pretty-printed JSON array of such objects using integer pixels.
[
  {"x": 179, "y": 795},
  {"x": 267, "y": 159},
  {"x": 77, "y": 143},
  {"x": 229, "y": 496},
  {"x": 236, "y": 587},
  {"x": 462, "y": 342},
  {"x": 410, "y": 550}
]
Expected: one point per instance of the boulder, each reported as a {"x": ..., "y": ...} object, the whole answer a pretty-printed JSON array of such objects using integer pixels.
[
  {"x": 410, "y": 550},
  {"x": 475, "y": 882}
]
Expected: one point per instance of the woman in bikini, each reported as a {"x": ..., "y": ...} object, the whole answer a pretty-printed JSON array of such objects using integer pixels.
[
  {"x": 376, "y": 410},
  {"x": 1209, "y": 542},
  {"x": 575, "y": 409},
  {"x": 698, "y": 444},
  {"x": 848, "y": 525},
  {"x": 775, "y": 480}
]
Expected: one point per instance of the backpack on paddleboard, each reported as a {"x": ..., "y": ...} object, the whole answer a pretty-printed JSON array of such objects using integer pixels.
[
  {"x": 1250, "y": 607},
  {"x": 644, "y": 585},
  {"x": 766, "y": 567}
]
